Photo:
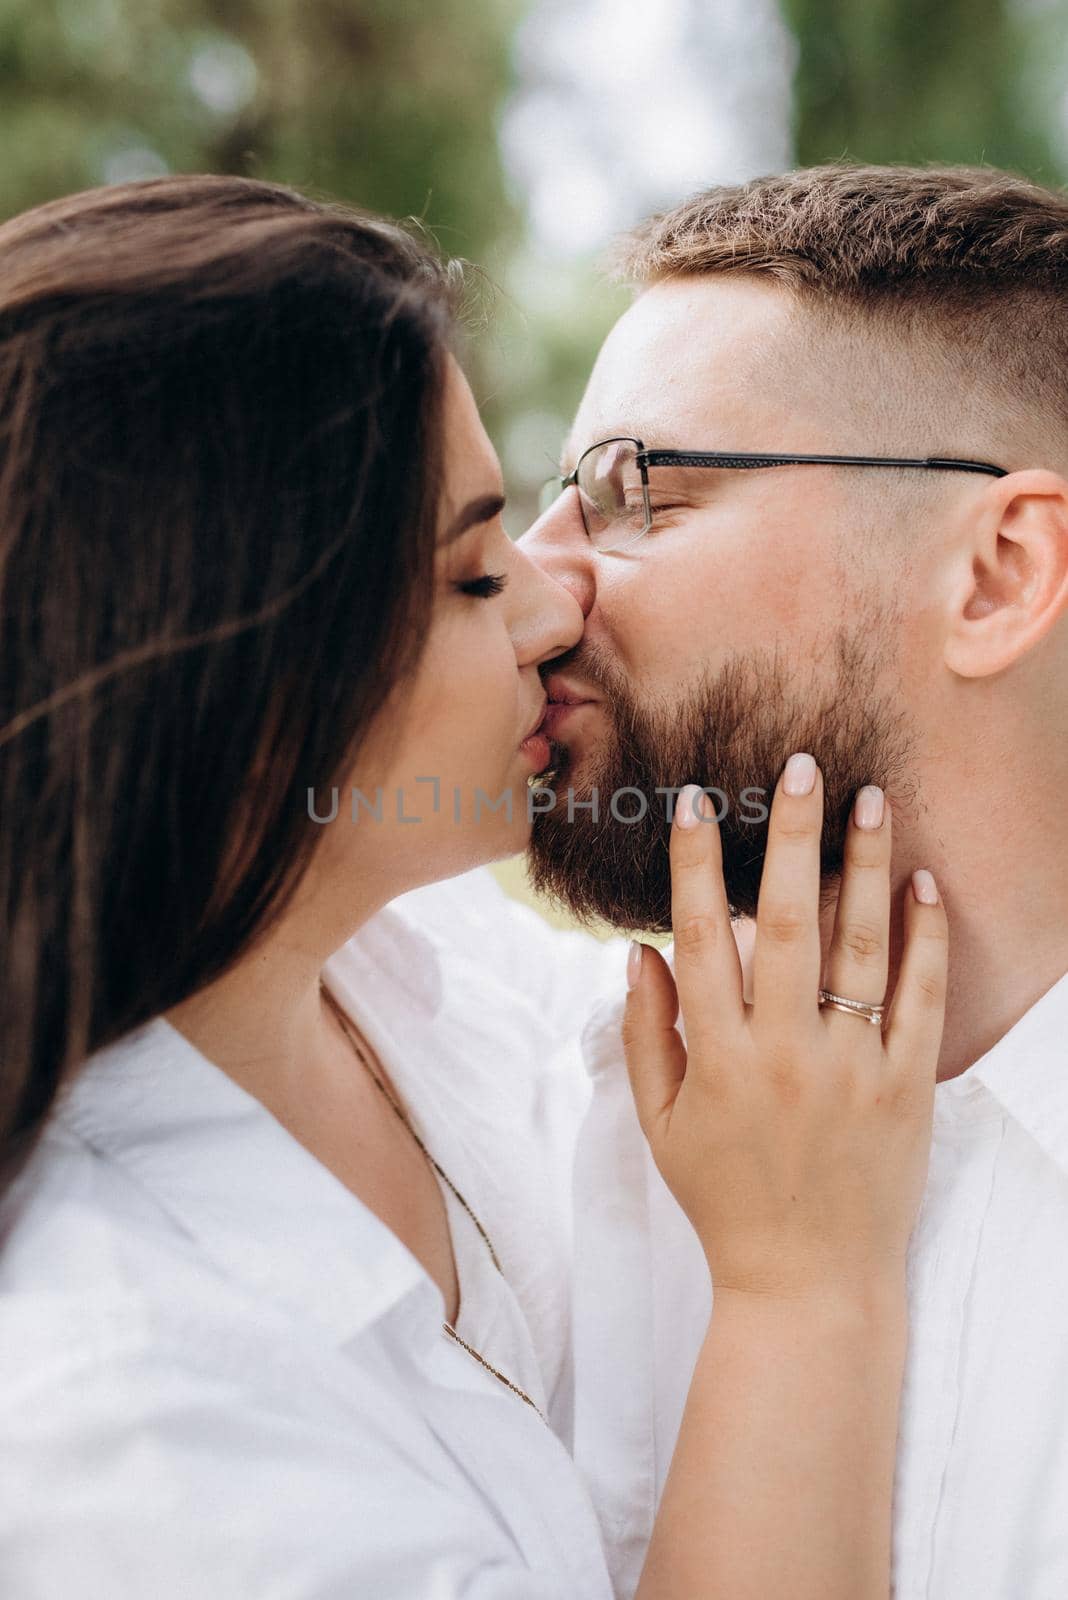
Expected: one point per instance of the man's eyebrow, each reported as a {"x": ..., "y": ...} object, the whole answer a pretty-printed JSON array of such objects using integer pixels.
[{"x": 482, "y": 509}]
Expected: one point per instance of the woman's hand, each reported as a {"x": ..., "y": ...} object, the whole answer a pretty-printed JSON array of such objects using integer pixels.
[{"x": 795, "y": 1138}]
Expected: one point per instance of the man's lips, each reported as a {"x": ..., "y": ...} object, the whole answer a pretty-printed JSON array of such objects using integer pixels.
[
  {"x": 558, "y": 714},
  {"x": 565, "y": 699},
  {"x": 563, "y": 693}
]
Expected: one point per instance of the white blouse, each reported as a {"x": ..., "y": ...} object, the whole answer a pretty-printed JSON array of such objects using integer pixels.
[{"x": 222, "y": 1376}]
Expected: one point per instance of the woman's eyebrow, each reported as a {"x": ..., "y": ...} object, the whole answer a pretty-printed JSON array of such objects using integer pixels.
[{"x": 482, "y": 509}]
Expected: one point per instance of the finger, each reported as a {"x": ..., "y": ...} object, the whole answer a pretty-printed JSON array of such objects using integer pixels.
[
  {"x": 859, "y": 956},
  {"x": 707, "y": 969},
  {"x": 913, "y": 1035},
  {"x": 655, "y": 1055},
  {"x": 744, "y": 930},
  {"x": 788, "y": 958}
]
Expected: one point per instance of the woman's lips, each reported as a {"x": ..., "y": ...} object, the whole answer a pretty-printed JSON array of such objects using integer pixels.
[{"x": 536, "y": 748}]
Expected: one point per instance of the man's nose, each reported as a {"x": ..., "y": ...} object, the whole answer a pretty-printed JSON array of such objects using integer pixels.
[{"x": 557, "y": 543}]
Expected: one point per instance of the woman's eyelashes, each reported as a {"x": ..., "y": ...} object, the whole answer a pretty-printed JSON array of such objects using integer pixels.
[{"x": 485, "y": 587}]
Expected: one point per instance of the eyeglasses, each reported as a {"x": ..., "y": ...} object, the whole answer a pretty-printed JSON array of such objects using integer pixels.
[{"x": 612, "y": 479}]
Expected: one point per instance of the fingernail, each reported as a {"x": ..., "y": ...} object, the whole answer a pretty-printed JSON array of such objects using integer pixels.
[
  {"x": 686, "y": 813},
  {"x": 924, "y": 887},
  {"x": 799, "y": 775},
  {"x": 869, "y": 807},
  {"x": 634, "y": 963}
]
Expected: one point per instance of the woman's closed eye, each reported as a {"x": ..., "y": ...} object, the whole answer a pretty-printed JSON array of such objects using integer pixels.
[{"x": 484, "y": 587}]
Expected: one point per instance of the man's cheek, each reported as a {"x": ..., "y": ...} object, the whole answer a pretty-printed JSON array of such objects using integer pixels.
[{"x": 661, "y": 621}]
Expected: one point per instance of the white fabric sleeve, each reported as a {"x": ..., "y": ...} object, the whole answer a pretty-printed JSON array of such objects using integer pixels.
[{"x": 144, "y": 1477}]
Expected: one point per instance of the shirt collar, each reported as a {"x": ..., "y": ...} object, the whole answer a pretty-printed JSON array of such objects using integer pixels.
[
  {"x": 1027, "y": 1072},
  {"x": 252, "y": 1197}
]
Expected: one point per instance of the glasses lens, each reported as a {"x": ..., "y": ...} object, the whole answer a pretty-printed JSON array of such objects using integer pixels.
[{"x": 611, "y": 493}]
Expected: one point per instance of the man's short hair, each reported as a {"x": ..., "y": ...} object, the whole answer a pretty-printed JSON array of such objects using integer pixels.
[{"x": 970, "y": 260}]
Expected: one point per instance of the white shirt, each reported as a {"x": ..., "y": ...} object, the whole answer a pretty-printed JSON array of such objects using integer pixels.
[
  {"x": 222, "y": 1376},
  {"x": 981, "y": 1500}
]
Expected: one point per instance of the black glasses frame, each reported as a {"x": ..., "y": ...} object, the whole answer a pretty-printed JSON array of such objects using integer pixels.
[{"x": 746, "y": 461}]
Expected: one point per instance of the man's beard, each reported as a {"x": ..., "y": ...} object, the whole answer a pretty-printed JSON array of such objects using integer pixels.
[{"x": 732, "y": 733}]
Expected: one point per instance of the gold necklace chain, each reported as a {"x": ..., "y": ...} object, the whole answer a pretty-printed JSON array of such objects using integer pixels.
[{"x": 443, "y": 1175}]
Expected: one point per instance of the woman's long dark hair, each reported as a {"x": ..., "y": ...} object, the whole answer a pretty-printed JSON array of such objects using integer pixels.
[{"x": 220, "y": 437}]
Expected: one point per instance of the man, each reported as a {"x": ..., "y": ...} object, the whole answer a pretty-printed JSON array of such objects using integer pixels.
[{"x": 904, "y": 617}]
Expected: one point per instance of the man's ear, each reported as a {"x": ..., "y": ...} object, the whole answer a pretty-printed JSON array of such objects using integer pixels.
[{"x": 1014, "y": 577}]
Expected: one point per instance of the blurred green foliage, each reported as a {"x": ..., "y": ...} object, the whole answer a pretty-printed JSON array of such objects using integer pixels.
[
  {"x": 388, "y": 104},
  {"x": 931, "y": 80},
  {"x": 393, "y": 105}
]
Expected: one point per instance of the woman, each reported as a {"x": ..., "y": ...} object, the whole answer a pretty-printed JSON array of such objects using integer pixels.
[{"x": 253, "y": 555}]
